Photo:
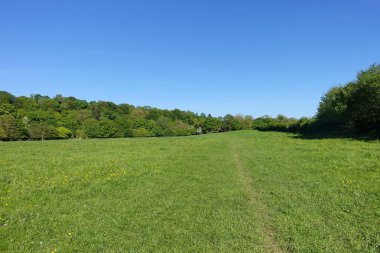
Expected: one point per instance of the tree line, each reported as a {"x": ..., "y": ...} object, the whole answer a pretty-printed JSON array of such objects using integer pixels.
[
  {"x": 350, "y": 108},
  {"x": 40, "y": 117}
]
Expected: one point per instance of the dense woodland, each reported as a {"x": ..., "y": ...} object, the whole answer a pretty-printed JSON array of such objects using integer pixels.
[
  {"x": 353, "y": 107},
  {"x": 40, "y": 117}
]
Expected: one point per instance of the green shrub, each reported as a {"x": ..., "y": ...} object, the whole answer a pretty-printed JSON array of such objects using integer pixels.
[
  {"x": 141, "y": 132},
  {"x": 42, "y": 131},
  {"x": 80, "y": 134},
  {"x": 63, "y": 133},
  {"x": 3, "y": 134}
]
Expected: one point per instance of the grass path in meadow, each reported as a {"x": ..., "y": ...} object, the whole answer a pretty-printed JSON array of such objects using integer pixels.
[
  {"x": 320, "y": 195},
  {"x": 243, "y": 191},
  {"x": 134, "y": 195},
  {"x": 268, "y": 233}
]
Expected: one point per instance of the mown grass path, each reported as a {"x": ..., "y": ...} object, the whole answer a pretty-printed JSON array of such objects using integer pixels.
[
  {"x": 271, "y": 244},
  {"x": 234, "y": 192}
]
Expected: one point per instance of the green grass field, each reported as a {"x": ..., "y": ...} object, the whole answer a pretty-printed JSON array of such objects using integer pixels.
[{"x": 243, "y": 191}]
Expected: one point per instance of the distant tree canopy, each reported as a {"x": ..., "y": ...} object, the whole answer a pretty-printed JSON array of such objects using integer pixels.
[
  {"x": 40, "y": 118},
  {"x": 353, "y": 107},
  {"x": 350, "y": 108}
]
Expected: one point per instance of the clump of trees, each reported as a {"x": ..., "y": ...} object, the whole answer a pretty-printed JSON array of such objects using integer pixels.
[
  {"x": 41, "y": 118},
  {"x": 282, "y": 123},
  {"x": 350, "y": 108},
  {"x": 353, "y": 106}
]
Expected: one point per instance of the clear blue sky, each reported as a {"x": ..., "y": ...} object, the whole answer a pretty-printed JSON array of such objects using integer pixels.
[{"x": 218, "y": 57}]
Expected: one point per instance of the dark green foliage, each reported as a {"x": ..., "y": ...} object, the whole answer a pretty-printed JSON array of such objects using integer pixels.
[
  {"x": 80, "y": 134},
  {"x": 348, "y": 109},
  {"x": 179, "y": 128},
  {"x": 333, "y": 106},
  {"x": 212, "y": 125},
  {"x": 39, "y": 117},
  {"x": 230, "y": 123},
  {"x": 280, "y": 123},
  {"x": 3, "y": 134},
  {"x": 364, "y": 104},
  {"x": 238, "y": 122},
  {"x": 42, "y": 131},
  {"x": 91, "y": 128},
  {"x": 8, "y": 126},
  {"x": 7, "y": 101},
  {"x": 109, "y": 129},
  {"x": 354, "y": 106}
]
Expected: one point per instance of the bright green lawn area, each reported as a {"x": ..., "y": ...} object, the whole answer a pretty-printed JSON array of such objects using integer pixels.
[{"x": 243, "y": 191}]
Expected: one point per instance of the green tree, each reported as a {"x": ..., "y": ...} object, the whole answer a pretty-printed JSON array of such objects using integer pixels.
[
  {"x": 80, "y": 134},
  {"x": 141, "y": 132},
  {"x": 364, "y": 103},
  {"x": 109, "y": 129},
  {"x": 211, "y": 124},
  {"x": 7, "y": 101},
  {"x": 3, "y": 134},
  {"x": 42, "y": 131},
  {"x": 63, "y": 133},
  {"x": 332, "y": 111},
  {"x": 180, "y": 128},
  {"x": 9, "y": 124},
  {"x": 230, "y": 123},
  {"x": 247, "y": 122},
  {"x": 91, "y": 128},
  {"x": 355, "y": 105},
  {"x": 102, "y": 119}
]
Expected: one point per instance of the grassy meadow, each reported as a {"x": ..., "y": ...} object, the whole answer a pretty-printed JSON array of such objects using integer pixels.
[{"x": 243, "y": 191}]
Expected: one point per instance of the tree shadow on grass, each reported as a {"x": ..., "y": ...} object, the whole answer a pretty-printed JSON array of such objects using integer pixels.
[{"x": 338, "y": 135}]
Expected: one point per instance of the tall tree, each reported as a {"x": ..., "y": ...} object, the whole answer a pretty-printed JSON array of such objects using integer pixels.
[
  {"x": 9, "y": 125},
  {"x": 42, "y": 131}
]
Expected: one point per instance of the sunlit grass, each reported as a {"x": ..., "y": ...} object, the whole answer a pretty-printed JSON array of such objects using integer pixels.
[{"x": 184, "y": 194}]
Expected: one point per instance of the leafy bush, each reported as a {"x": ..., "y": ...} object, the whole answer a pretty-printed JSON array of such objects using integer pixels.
[
  {"x": 42, "y": 131},
  {"x": 80, "y": 134},
  {"x": 9, "y": 124},
  {"x": 141, "y": 132},
  {"x": 63, "y": 133},
  {"x": 364, "y": 103},
  {"x": 354, "y": 106},
  {"x": 180, "y": 128},
  {"x": 3, "y": 134}
]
